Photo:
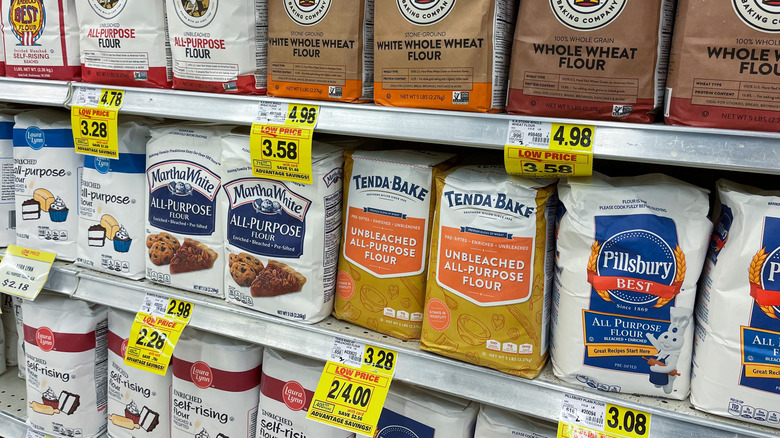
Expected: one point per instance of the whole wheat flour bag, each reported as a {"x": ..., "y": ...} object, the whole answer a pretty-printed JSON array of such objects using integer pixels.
[
  {"x": 8, "y": 317},
  {"x": 219, "y": 46},
  {"x": 216, "y": 384},
  {"x": 47, "y": 169},
  {"x": 736, "y": 364},
  {"x": 724, "y": 67},
  {"x": 443, "y": 54},
  {"x": 410, "y": 412},
  {"x": 111, "y": 224},
  {"x": 281, "y": 237},
  {"x": 41, "y": 39},
  {"x": 487, "y": 297},
  {"x": 497, "y": 423},
  {"x": 630, "y": 251},
  {"x": 601, "y": 60},
  {"x": 184, "y": 215},
  {"x": 321, "y": 49},
  {"x": 7, "y": 186},
  {"x": 286, "y": 391},
  {"x": 124, "y": 43},
  {"x": 388, "y": 212},
  {"x": 66, "y": 344},
  {"x": 139, "y": 402}
]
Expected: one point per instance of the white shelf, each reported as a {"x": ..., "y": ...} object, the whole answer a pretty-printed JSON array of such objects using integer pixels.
[{"x": 13, "y": 407}]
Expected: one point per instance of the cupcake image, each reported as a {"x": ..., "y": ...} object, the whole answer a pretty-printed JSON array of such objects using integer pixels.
[
  {"x": 51, "y": 399},
  {"x": 132, "y": 412},
  {"x": 58, "y": 211},
  {"x": 122, "y": 240}
]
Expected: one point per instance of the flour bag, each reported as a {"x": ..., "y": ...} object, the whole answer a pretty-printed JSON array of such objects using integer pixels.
[{"x": 497, "y": 423}]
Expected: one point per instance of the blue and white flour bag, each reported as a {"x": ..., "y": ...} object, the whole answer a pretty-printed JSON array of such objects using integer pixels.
[
  {"x": 629, "y": 254},
  {"x": 46, "y": 168},
  {"x": 736, "y": 363},
  {"x": 7, "y": 188}
]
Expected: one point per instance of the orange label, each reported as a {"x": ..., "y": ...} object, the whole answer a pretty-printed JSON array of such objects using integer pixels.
[
  {"x": 385, "y": 243},
  {"x": 485, "y": 267}
]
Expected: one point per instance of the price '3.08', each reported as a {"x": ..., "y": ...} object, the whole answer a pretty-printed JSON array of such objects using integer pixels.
[{"x": 94, "y": 129}]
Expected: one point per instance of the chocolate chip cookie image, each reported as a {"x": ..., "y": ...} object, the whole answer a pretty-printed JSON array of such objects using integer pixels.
[
  {"x": 161, "y": 253},
  {"x": 163, "y": 237},
  {"x": 243, "y": 274}
]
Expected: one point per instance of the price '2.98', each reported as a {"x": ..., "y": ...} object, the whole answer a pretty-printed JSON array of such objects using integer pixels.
[
  {"x": 179, "y": 309},
  {"x": 94, "y": 129},
  {"x": 284, "y": 150}
]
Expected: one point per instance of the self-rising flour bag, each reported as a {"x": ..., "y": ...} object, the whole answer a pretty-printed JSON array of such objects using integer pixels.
[
  {"x": 7, "y": 187},
  {"x": 216, "y": 385},
  {"x": 724, "y": 65},
  {"x": 497, "y": 423},
  {"x": 388, "y": 210},
  {"x": 321, "y": 49},
  {"x": 490, "y": 270},
  {"x": 443, "y": 54},
  {"x": 20, "y": 350},
  {"x": 630, "y": 251},
  {"x": 124, "y": 43},
  {"x": 286, "y": 391},
  {"x": 46, "y": 167},
  {"x": 736, "y": 364},
  {"x": 66, "y": 345},
  {"x": 282, "y": 238},
  {"x": 591, "y": 59},
  {"x": 41, "y": 39},
  {"x": 111, "y": 222},
  {"x": 9, "y": 328},
  {"x": 219, "y": 46},
  {"x": 184, "y": 216},
  {"x": 139, "y": 402}
]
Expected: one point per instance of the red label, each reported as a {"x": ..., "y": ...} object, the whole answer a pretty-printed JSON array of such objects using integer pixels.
[
  {"x": 45, "y": 339},
  {"x": 294, "y": 396},
  {"x": 123, "y": 348},
  {"x": 201, "y": 375}
]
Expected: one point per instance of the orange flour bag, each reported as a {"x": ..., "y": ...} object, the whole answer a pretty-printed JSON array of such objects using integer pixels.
[
  {"x": 321, "y": 49},
  {"x": 488, "y": 294},
  {"x": 388, "y": 211},
  {"x": 443, "y": 54}
]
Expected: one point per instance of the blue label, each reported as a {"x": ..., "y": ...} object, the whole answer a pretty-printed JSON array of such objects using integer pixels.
[
  {"x": 127, "y": 163},
  {"x": 6, "y": 130},
  {"x": 720, "y": 234},
  {"x": 393, "y": 425},
  {"x": 182, "y": 197},
  {"x": 36, "y": 138}
]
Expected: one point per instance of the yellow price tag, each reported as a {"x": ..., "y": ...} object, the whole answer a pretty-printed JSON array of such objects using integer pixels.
[
  {"x": 281, "y": 152},
  {"x": 23, "y": 271},
  {"x": 541, "y": 149},
  {"x": 627, "y": 422},
  {"x": 302, "y": 115},
  {"x": 155, "y": 332},
  {"x": 95, "y": 127},
  {"x": 585, "y": 417}
]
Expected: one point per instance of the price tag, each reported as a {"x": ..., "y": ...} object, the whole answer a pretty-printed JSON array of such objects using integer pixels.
[
  {"x": 280, "y": 113},
  {"x": 542, "y": 149},
  {"x": 94, "y": 122},
  {"x": 281, "y": 152},
  {"x": 583, "y": 417},
  {"x": 351, "y": 398},
  {"x": 23, "y": 271},
  {"x": 155, "y": 332}
]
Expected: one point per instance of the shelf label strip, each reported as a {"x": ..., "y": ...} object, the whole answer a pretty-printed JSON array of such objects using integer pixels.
[
  {"x": 94, "y": 118},
  {"x": 543, "y": 149},
  {"x": 582, "y": 417}
]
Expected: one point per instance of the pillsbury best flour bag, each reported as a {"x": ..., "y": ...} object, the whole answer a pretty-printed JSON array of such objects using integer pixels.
[
  {"x": 629, "y": 251},
  {"x": 736, "y": 363},
  {"x": 497, "y": 423}
]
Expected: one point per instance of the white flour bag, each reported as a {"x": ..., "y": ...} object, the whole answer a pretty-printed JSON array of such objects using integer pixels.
[
  {"x": 286, "y": 390},
  {"x": 9, "y": 329},
  {"x": 216, "y": 385},
  {"x": 3, "y": 365},
  {"x": 493, "y": 422},
  {"x": 139, "y": 402},
  {"x": 736, "y": 366},
  {"x": 66, "y": 342},
  {"x": 20, "y": 350},
  {"x": 7, "y": 212},
  {"x": 47, "y": 167},
  {"x": 282, "y": 237},
  {"x": 124, "y": 43},
  {"x": 630, "y": 251}
]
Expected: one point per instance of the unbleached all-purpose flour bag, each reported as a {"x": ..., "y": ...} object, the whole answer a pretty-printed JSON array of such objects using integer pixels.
[{"x": 629, "y": 254}]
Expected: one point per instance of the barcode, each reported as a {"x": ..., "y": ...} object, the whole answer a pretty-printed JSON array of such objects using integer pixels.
[
  {"x": 536, "y": 137},
  {"x": 594, "y": 420},
  {"x": 335, "y": 92},
  {"x": 12, "y": 220},
  {"x": 460, "y": 97}
]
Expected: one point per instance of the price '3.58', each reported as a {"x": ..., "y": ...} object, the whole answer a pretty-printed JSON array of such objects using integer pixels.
[
  {"x": 285, "y": 149},
  {"x": 94, "y": 129}
]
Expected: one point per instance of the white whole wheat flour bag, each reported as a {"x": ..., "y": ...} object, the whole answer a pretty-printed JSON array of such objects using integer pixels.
[
  {"x": 630, "y": 251},
  {"x": 8, "y": 317},
  {"x": 493, "y": 422},
  {"x": 7, "y": 188},
  {"x": 216, "y": 385},
  {"x": 184, "y": 216},
  {"x": 139, "y": 402},
  {"x": 65, "y": 341},
  {"x": 111, "y": 221},
  {"x": 410, "y": 412},
  {"x": 286, "y": 390},
  {"x": 41, "y": 39},
  {"x": 282, "y": 237},
  {"x": 124, "y": 43},
  {"x": 736, "y": 364},
  {"x": 47, "y": 168},
  {"x": 219, "y": 46}
]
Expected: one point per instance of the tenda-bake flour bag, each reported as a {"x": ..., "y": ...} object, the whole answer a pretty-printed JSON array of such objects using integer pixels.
[
  {"x": 321, "y": 49},
  {"x": 490, "y": 270},
  {"x": 497, "y": 423},
  {"x": 443, "y": 54},
  {"x": 139, "y": 402},
  {"x": 629, "y": 253},
  {"x": 388, "y": 210},
  {"x": 219, "y": 46},
  {"x": 66, "y": 345},
  {"x": 602, "y": 60},
  {"x": 41, "y": 39},
  {"x": 281, "y": 237},
  {"x": 736, "y": 363},
  {"x": 724, "y": 65},
  {"x": 124, "y": 43}
]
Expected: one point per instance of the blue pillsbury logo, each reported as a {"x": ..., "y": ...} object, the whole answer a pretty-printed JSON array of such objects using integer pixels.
[
  {"x": 102, "y": 165},
  {"x": 35, "y": 137}
]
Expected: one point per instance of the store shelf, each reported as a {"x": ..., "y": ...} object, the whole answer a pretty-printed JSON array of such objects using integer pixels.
[
  {"x": 540, "y": 397},
  {"x": 13, "y": 408},
  {"x": 52, "y": 93}
]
